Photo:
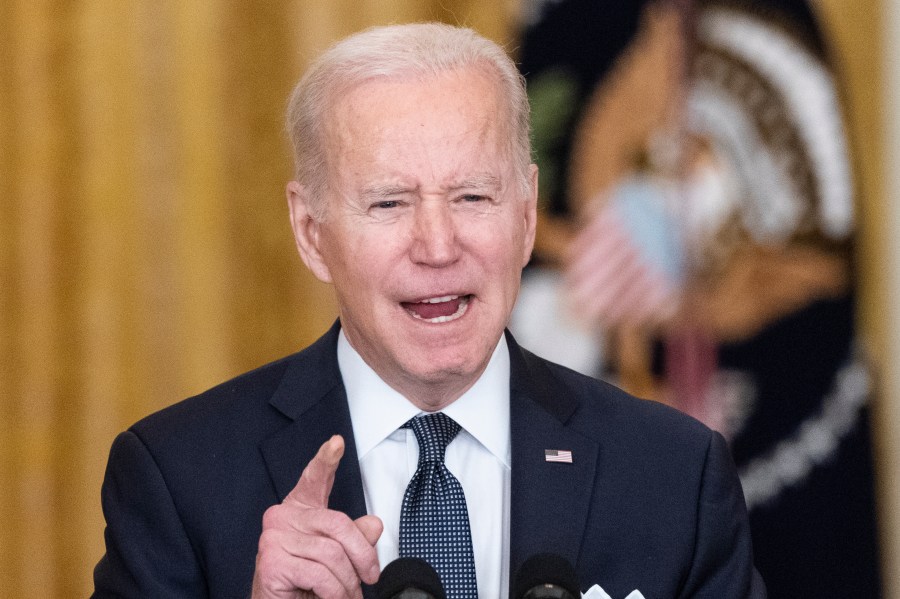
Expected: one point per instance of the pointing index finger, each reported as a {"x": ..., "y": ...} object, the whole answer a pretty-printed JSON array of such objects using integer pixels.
[{"x": 315, "y": 483}]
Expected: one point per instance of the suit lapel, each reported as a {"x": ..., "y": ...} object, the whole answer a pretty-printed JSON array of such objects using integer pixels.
[
  {"x": 549, "y": 501},
  {"x": 312, "y": 396}
]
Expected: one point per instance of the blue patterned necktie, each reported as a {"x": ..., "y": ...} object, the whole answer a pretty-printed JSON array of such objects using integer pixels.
[{"x": 434, "y": 521}]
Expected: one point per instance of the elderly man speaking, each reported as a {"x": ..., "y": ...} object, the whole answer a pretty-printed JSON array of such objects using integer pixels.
[{"x": 416, "y": 426}]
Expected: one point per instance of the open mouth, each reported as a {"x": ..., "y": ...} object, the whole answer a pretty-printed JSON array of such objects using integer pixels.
[{"x": 438, "y": 309}]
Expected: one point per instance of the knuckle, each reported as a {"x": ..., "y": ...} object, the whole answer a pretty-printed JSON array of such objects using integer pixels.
[
  {"x": 335, "y": 524},
  {"x": 330, "y": 551},
  {"x": 274, "y": 549},
  {"x": 267, "y": 542},
  {"x": 266, "y": 566},
  {"x": 271, "y": 517}
]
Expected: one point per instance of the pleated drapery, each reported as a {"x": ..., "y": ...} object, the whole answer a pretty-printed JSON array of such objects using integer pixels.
[{"x": 145, "y": 250}]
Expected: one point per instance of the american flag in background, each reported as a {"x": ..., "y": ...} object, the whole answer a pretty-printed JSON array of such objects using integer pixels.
[
  {"x": 716, "y": 125},
  {"x": 558, "y": 455}
]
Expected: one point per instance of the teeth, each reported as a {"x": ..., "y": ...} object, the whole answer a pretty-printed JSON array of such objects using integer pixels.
[{"x": 439, "y": 300}]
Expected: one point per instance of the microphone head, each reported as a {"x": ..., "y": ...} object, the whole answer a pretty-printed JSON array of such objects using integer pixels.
[
  {"x": 409, "y": 573},
  {"x": 544, "y": 569}
]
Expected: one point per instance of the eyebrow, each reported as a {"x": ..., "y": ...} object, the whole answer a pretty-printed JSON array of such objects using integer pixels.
[
  {"x": 479, "y": 181},
  {"x": 378, "y": 191}
]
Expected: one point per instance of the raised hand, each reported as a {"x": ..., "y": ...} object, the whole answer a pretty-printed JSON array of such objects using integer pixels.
[{"x": 307, "y": 550}]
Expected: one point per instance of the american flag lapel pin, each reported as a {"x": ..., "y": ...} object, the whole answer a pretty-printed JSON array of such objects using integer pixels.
[{"x": 558, "y": 455}]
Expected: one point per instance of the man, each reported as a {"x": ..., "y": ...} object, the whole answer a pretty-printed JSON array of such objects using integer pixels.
[{"x": 415, "y": 197}]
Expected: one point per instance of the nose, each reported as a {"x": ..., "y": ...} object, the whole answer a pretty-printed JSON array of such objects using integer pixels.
[{"x": 434, "y": 236}]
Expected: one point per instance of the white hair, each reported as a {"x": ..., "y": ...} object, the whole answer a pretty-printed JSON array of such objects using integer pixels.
[{"x": 407, "y": 51}]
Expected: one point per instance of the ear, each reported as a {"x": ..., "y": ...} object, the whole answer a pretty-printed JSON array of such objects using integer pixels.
[
  {"x": 530, "y": 215},
  {"x": 307, "y": 231}
]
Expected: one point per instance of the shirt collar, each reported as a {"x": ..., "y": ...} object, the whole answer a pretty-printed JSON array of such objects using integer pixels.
[{"x": 377, "y": 410}]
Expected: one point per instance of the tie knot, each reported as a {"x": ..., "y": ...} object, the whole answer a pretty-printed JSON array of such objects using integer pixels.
[{"x": 433, "y": 432}]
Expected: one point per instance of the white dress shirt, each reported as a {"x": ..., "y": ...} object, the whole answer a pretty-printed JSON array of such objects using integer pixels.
[{"x": 479, "y": 457}]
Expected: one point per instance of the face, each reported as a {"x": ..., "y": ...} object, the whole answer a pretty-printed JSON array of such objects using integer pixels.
[{"x": 426, "y": 230}]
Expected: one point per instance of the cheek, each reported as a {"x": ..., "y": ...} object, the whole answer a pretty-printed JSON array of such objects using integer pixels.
[
  {"x": 340, "y": 256},
  {"x": 503, "y": 253},
  {"x": 509, "y": 262},
  {"x": 503, "y": 270},
  {"x": 368, "y": 263}
]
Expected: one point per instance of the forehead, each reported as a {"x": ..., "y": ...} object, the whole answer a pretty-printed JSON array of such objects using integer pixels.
[{"x": 438, "y": 124}]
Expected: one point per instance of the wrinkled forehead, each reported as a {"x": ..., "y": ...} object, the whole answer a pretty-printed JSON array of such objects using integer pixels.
[{"x": 466, "y": 99}]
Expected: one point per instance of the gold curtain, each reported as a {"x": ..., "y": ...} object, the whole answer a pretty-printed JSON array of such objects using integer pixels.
[
  {"x": 145, "y": 252},
  {"x": 856, "y": 31}
]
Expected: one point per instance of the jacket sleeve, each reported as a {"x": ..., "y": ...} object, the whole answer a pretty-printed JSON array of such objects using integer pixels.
[
  {"x": 148, "y": 552},
  {"x": 722, "y": 566}
]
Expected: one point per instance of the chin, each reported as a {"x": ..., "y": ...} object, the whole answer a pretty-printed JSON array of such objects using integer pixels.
[{"x": 439, "y": 368}]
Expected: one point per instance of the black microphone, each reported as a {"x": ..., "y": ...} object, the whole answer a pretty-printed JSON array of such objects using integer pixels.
[
  {"x": 546, "y": 576},
  {"x": 409, "y": 578}
]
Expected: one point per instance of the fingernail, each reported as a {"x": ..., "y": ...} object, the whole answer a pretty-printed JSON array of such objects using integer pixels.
[{"x": 333, "y": 444}]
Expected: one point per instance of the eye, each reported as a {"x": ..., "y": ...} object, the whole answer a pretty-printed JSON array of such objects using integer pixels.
[
  {"x": 471, "y": 197},
  {"x": 386, "y": 204}
]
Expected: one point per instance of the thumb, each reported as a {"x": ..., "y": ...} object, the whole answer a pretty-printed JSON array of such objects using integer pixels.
[{"x": 371, "y": 527}]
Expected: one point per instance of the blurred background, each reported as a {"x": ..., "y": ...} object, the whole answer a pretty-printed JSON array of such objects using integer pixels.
[{"x": 734, "y": 161}]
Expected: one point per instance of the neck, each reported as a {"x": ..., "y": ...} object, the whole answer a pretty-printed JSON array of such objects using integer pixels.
[
  {"x": 429, "y": 391},
  {"x": 433, "y": 397}
]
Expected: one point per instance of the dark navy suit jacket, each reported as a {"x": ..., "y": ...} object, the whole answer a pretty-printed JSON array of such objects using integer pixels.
[{"x": 650, "y": 501}]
